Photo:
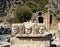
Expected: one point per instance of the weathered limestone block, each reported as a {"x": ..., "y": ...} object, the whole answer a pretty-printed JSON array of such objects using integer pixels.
[
  {"x": 21, "y": 29},
  {"x": 34, "y": 28}
]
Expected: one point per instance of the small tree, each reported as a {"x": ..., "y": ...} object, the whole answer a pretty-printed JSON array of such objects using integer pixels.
[{"x": 22, "y": 14}]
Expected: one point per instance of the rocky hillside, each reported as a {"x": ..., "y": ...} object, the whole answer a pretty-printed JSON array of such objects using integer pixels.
[{"x": 2, "y": 7}]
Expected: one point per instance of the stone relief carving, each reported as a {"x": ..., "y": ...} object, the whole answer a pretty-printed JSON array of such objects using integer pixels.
[
  {"x": 28, "y": 28},
  {"x": 41, "y": 29},
  {"x": 21, "y": 29},
  {"x": 15, "y": 30},
  {"x": 33, "y": 29}
]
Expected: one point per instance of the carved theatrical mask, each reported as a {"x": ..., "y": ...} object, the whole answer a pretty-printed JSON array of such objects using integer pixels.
[
  {"x": 41, "y": 30},
  {"x": 28, "y": 31},
  {"x": 15, "y": 30}
]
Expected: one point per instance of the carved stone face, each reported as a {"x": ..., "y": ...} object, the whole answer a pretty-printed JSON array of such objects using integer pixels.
[
  {"x": 28, "y": 28},
  {"x": 15, "y": 30},
  {"x": 40, "y": 31},
  {"x": 27, "y": 31}
]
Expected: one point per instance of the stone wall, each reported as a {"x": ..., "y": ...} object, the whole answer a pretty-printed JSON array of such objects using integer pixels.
[
  {"x": 54, "y": 23},
  {"x": 45, "y": 16}
]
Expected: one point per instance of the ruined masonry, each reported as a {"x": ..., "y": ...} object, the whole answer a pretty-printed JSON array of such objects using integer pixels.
[
  {"x": 38, "y": 32},
  {"x": 43, "y": 30}
]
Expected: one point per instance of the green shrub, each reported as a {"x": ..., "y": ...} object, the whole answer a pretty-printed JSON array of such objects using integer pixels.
[{"x": 22, "y": 14}]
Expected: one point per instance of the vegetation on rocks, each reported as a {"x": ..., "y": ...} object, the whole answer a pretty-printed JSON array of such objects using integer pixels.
[{"x": 24, "y": 12}]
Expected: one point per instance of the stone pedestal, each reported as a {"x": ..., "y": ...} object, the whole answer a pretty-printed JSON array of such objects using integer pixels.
[{"x": 31, "y": 41}]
